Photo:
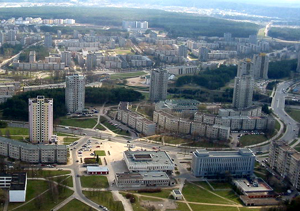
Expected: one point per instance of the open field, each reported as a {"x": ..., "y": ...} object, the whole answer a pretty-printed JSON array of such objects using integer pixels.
[
  {"x": 15, "y": 131},
  {"x": 294, "y": 113},
  {"x": 83, "y": 123},
  {"x": 247, "y": 140},
  {"x": 127, "y": 75},
  {"x": 94, "y": 181},
  {"x": 104, "y": 198},
  {"x": 68, "y": 140},
  {"x": 75, "y": 205},
  {"x": 45, "y": 173},
  {"x": 194, "y": 193}
]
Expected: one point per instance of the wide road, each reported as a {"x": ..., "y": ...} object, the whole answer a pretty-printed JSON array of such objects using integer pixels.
[{"x": 278, "y": 104}]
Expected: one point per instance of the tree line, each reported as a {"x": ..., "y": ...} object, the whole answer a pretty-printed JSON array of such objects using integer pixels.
[
  {"x": 16, "y": 108},
  {"x": 282, "y": 69},
  {"x": 41, "y": 53}
]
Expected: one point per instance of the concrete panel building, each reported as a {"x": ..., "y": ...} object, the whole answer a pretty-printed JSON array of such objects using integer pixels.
[
  {"x": 40, "y": 119},
  {"x": 31, "y": 153},
  {"x": 158, "y": 85},
  {"x": 243, "y": 92},
  {"x": 286, "y": 161},
  {"x": 213, "y": 164},
  {"x": 75, "y": 93},
  {"x": 261, "y": 66}
]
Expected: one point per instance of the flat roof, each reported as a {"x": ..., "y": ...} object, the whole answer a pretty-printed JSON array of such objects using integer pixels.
[
  {"x": 239, "y": 153},
  {"x": 18, "y": 181},
  {"x": 258, "y": 185},
  {"x": 143, "y": 175},
  {"x": 32, "y": 146},
  {"x": 96, "y": 168},
  {"x": 148, "y": 158}
]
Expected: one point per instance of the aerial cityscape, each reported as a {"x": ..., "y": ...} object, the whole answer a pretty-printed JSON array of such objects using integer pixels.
[{"x": 116, "y": 105}]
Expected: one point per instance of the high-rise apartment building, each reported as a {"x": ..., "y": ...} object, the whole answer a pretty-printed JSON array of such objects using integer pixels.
[
  {"x": 11, "y": 35},
  {"x": 32, "y": 57},
  {"x": 243, "y": 91},
  {"x": 261, "y": 66},
  {"x": 75, "y": 93},
  {"x": 245, "y": 67},
  {"x": 253, "y": 39},
  {"x": 203, "y": 54},
  {"x": 58, "y": 34},
  {"x": 2, "y": 37},
  {"x": 227, "y": 37},
  {"x": 286, "y": 161},
  {"x": 65, "y": 57},
  {"x": 182, "y": 51},
  {"x": 158, "y": 85},
  {"x": 48, "y": 40},
  {"x": 40, "y": 119},
  {"x": 90, "y": 61}
]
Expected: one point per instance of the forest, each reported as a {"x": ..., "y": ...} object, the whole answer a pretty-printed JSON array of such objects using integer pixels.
[
  {"x": 40, "y": 50},
  {"x": 176, "y": 24},
  {"x": 284, "y": 33},
  {"x": 16, "y": 108},
  {"x": 210, "y": 79}
]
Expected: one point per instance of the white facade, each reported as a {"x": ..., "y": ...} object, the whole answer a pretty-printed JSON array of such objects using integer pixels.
[
  {"x": 261, "y": 66},
  {"x": 75, "y": 93},
  {"x": 218, "y": 163},
  {"x": 40, "y": 119},
  {"x": 243, "y": 92}
]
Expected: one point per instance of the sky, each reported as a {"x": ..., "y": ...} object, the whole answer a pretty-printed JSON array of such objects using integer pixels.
[{"x": 267, "y": 1}]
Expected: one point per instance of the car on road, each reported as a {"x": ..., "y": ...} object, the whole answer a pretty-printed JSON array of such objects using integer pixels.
[
  {"x": 78, "y": 175},
  {"x": 100, "y": 206},
  {"x": 77, "y": 161},
  {"x": 84, "y": 134}
]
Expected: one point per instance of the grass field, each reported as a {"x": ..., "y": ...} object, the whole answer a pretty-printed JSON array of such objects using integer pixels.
[
  {"x": 75, "y": 205},
  {"x": 194, "y": 193},
  {"x": 163, "y": 194},
  {"x": 94, "y": 181},
  {"x": 294, "y": 113},
  {"x": 44, "y": 173},
  {"x": 20, "y": 138},
  {"x": 247, "y": 140},
  {"x": 100, "y": 127},
  {"x": 34, "y": 187},
  {"x": 68, "y": 140},
  {"x": 220, "y": 185},
  {"x": 83, "y": 123},
  {"x": 15, "y": 131},
  {"x": 100, "y": 152},
  {"x": 127, "y": 75},
  {"x": 297, "y": 147},
  {"x": 180, "y": 207},
  {"x": 123, "y": 51},
  {"x": 46, "y": 202},
  {"x": 111, "y": 127},
  {"x": 104, "y": 198},
  {"x": 277, "y": 125}
]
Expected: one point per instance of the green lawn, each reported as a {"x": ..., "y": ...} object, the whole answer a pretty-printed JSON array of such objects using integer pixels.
[
  {"x": 15, "y": 131},
  {"x": 94, "y": 181},
  {"x": 19, "y": 138},
  {"x": 83, "y": 123},
  {"x": 75, "y": 205},
  {"x": 69, "y": 181},
  {"x": 45, "y": 173},
  {"x": 198, "y": 207},
  {"x": 165, "y": 193},
  {"x": 127, "y": 75},
  {"x": 104, "y": 198},
  {"x": 294, "y": 113},
  {"x": 47, "y": 201},
  {"x": 247, "y": 140},
  {"x": 220, "y": 185},
  {"x": 277, "y": 125},
  {"x": 297, "y": 147},
  {"x": 34, "y": 187},
  {"x": 194, "y": 193},
  {"x": 68, "y": 140},
  {"x": 100, "y": 152},
  {"x": 105, "y": 122},
  {"x": 100, "y": 127}
]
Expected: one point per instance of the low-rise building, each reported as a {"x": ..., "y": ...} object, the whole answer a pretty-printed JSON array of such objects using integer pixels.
[
  {"x": 146, "y": 161},
  {"x": 16, "y": 184},
  {"x": 31, "y": 153},
  {"x": 214, "y": 164},
  {"x": 97, "y": 170},
  {"x": 142, "y": 179}
]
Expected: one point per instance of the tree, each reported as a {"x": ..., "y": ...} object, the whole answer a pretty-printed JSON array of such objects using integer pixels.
[
  {"x": 97, "y": 159},
  {"x": 3, "y": 124},
  {"x": 1, "y": 133}
]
